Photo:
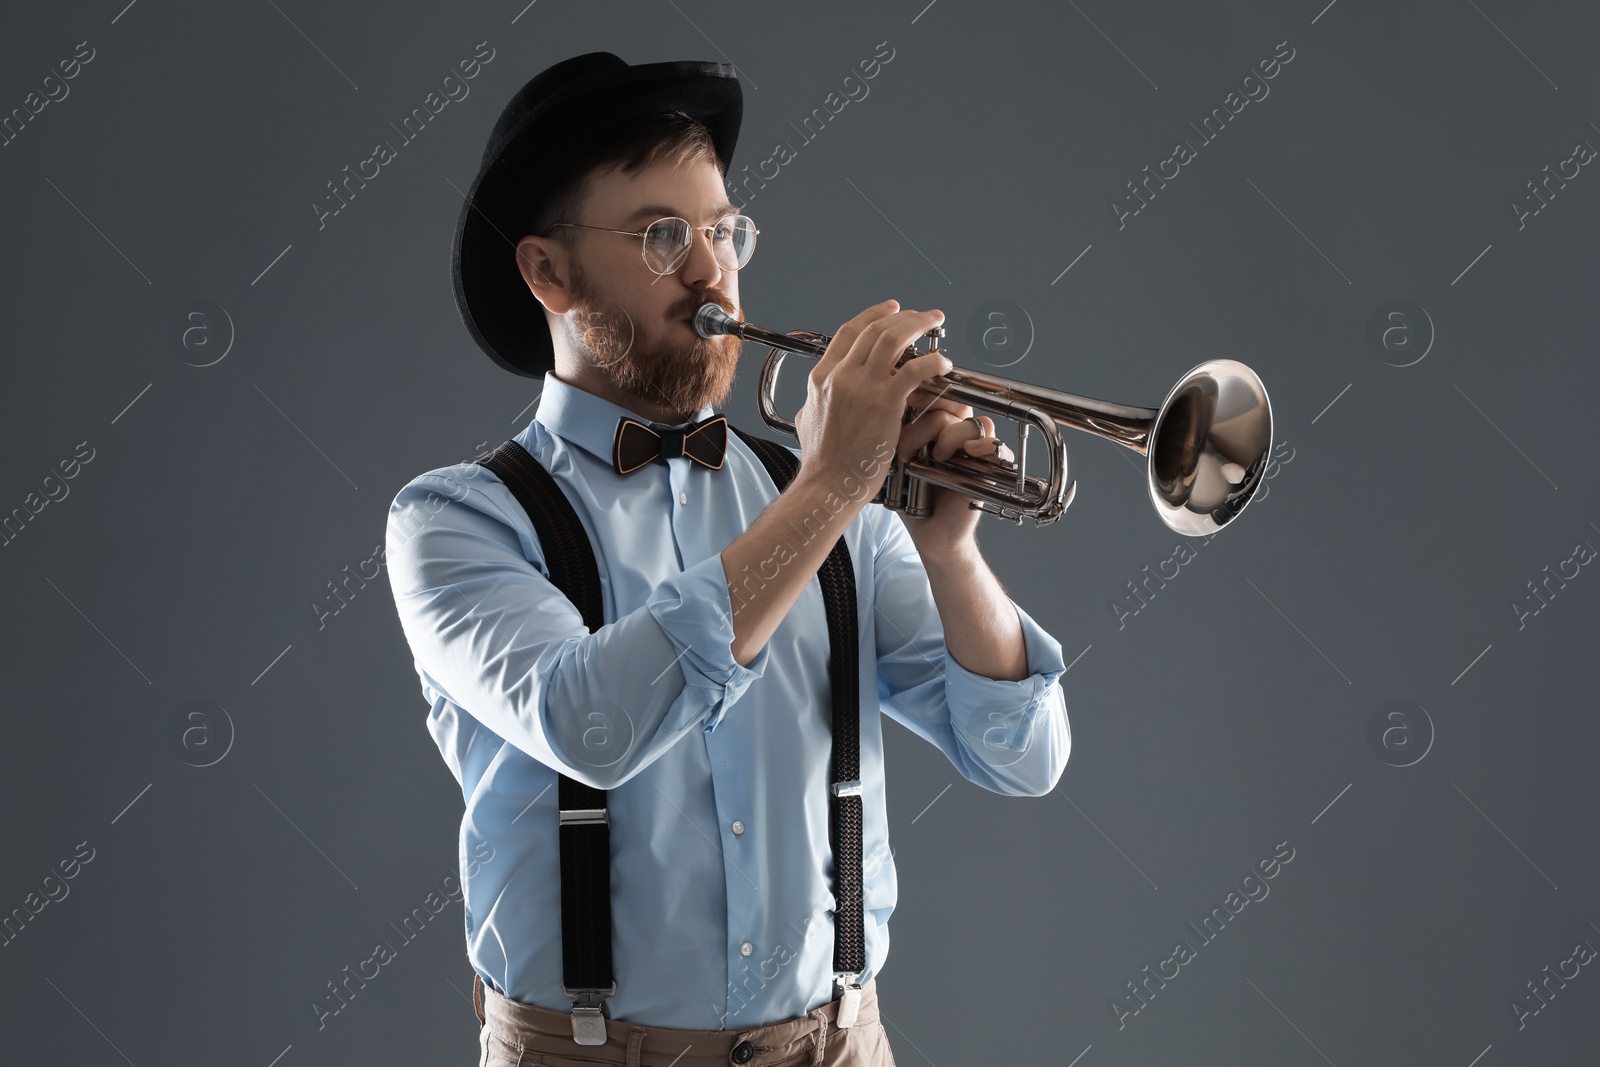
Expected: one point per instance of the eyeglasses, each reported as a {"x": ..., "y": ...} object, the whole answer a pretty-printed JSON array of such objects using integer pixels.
[{"x": 666, "y": 241}]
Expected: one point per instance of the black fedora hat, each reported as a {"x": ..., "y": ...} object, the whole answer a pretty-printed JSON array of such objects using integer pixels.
[{"x": 527, "y": 160}]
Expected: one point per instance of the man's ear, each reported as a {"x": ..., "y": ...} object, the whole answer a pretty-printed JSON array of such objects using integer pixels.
[{"x": 542, "y": 262}]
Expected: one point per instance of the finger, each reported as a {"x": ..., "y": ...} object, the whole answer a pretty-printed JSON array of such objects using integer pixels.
[
  {"x": 987, "y": 444},
  {"x": 964, "y": 435},
  {"x": 929, "y": 426},
  {"x": 867, "y": 337},
  {"x": 1000, "y": 451},
  {"x": 935, "y": 393},
  {"x": 924, "y": 398},
  {"x": 922, "y": 371},
  {"x": 844, "y": 341},
  {"x": 923, "y": 402},
  {"x": 895, "y": 335}
]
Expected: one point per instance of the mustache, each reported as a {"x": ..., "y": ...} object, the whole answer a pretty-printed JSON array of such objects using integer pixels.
[{"x": 719, "y": 299}]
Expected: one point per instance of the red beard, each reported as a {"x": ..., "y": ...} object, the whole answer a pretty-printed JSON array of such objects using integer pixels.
[{"x": 677, "y": 374}]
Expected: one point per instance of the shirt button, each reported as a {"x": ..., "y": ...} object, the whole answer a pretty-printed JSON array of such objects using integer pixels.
[
  {"x": 683, "y": 498},
  {"x": 738, "y": 827},
  {"x": 746, "y": 948}
]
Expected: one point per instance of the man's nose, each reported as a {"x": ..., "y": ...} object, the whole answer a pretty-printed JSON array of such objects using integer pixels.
[{"x": 699, "y": 269}]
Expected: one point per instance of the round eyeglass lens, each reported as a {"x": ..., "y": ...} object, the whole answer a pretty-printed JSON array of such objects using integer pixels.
[
  {"x": 735, "y": 241},
  {"x": 665, "y": 243}
]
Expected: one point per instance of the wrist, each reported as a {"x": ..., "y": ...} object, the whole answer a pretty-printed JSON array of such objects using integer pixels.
[
  {"x": 959, "y": 556},
  {"x": 839, "y": 491}
]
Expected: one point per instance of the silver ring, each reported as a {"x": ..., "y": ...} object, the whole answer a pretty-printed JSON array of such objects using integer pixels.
[{"x": 982, "y": 430}]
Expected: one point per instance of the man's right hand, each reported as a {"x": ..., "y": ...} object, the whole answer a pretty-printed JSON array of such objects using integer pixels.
[{"x": 855, "y": 407}]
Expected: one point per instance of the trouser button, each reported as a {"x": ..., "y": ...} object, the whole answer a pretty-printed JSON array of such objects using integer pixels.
[{"x": 743, "y": 1052}]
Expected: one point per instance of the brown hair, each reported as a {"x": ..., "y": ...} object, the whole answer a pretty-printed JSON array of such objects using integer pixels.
[{"x": 671, "y": 136}]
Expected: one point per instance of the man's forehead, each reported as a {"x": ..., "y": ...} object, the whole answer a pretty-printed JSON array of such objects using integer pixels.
[
  {"x": 655, "y": 209},
  {"x": 645, "y": 196}
]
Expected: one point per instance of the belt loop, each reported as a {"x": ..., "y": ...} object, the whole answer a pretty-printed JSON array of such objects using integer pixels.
[
  {"x": 635, "y": 1043},
  {"x": 822, "y": 1036}
]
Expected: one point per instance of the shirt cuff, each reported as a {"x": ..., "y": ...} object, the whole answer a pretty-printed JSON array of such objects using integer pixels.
[
  {"x": 695, "y": 611},
  {"x": 1000, "y": 713}
]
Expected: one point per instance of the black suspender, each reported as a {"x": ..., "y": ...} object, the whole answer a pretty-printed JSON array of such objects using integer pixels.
[
  {"x": 585, "y": 833},
  {"x": 838, "y": 579},
  {"x": 584, "y": 828}
]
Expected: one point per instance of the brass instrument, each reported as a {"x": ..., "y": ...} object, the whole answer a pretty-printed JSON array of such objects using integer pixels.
[{"x": 1206, "y": 446}]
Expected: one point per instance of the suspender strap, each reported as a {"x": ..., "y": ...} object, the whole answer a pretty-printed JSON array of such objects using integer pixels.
[
  {"x": 585, "y": 831},
  {"x": 838, "y": 579}
]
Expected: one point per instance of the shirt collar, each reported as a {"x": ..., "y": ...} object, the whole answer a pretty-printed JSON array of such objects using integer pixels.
[{"x": 582, "y": 418}]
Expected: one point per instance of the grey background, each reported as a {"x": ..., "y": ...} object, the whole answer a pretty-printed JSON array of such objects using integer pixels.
[{"x": 1228, "y": 715}]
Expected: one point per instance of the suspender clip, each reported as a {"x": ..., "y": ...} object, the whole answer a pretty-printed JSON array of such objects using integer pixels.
[
  {"x": 588, "y": 1022},
  {"x": 849, "y": 998}
]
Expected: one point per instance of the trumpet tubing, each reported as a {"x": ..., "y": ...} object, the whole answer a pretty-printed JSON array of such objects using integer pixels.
[{"x": 1205, "y": 446}]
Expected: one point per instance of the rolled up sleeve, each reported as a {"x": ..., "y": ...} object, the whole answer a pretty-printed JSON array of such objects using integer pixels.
[
  {"x": 1010, "y": 737},
  {"x": 489, "y": 630},
  {"x": 695, "y": 611}
]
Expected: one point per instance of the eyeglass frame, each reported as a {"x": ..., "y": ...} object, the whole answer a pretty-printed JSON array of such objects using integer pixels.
[{"x": 692, "y": 230}]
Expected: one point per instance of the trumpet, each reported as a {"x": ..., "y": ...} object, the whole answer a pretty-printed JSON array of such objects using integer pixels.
[{"x": 1205, "y": 446}]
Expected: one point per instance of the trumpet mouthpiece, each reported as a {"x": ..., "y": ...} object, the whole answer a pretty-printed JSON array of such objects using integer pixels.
[{"x": 711, "y": 321}]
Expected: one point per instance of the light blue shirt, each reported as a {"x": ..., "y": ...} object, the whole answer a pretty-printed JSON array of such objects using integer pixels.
[{"x": 721, "y": 870}]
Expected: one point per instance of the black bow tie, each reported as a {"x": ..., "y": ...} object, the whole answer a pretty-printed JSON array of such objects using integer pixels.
[{"x": 636, "y": 444}]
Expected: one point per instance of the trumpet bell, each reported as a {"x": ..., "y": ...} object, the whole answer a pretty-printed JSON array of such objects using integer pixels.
[{"x": 1207, "y": 450}]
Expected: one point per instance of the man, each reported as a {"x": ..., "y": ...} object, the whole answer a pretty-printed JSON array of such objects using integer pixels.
[{"x": 597, "y": 225}]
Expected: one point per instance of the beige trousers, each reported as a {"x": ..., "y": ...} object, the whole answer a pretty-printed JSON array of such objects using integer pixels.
[{"x": 512, "y": 1034}]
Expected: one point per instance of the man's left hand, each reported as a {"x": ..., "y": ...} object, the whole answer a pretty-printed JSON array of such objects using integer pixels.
[{"x": 952, "y": 527}]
